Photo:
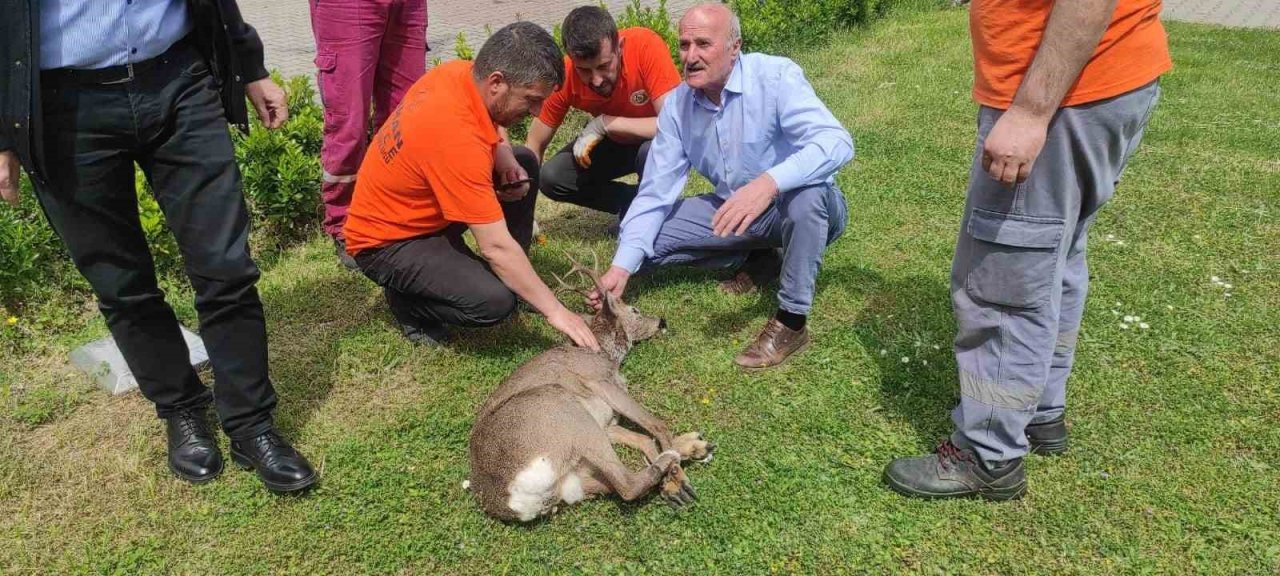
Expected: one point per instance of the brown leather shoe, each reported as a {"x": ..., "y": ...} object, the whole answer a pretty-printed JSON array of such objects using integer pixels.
[
  {"x": 773, "y": 346},
  {"x": 762, "y": 267}
]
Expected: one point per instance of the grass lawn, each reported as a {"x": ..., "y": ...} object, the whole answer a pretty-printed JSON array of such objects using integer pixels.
[{"x": 1175, "y": 466}]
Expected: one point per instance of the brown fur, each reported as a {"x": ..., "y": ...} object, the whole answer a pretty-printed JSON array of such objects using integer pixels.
[{"x": 563, "y": 405}]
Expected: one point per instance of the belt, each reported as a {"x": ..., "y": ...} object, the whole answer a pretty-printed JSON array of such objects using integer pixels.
[{"x": 119, "y": 74}]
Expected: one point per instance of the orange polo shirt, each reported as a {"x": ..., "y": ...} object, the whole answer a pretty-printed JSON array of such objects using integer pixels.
[
  {"x": 430, "y": 165},
  {"x": 1006, "y": 34},
  {"x": 647, "y": 73}
]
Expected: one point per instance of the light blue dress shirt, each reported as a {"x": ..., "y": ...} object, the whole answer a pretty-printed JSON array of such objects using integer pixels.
[
  {"x": 770, "y": 120},
  {"x": 91, "y": 34}
]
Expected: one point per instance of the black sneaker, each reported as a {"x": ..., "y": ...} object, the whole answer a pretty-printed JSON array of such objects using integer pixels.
[
  {"x": 348, "y": 262},
  {"x": 953, "y": 472},
  {"x": 1048, "y": 438}
]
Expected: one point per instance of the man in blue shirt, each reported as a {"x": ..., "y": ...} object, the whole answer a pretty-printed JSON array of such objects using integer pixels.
[
  {"x": 752, "y": 125},
  {"x": 92, "y": 88}
]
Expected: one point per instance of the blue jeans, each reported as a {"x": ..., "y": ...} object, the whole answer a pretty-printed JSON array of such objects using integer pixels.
[{"x": 802, "y": 222}]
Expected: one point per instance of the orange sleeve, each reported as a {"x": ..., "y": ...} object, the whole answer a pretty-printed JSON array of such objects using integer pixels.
[
  {"x": 459, "y": 169},
  {"x": 557, "y": 105},
  {"x": 659, "y": 72}
]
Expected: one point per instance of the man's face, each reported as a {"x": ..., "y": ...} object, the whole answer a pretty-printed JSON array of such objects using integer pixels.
[
  {"x": 705, "y": 50},
  {"x": 600, "y": 73},
  {"x": 513, "y": 103}
]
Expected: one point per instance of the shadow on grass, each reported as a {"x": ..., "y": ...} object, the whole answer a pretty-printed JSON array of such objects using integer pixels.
[{"x": 905, "y": 317}]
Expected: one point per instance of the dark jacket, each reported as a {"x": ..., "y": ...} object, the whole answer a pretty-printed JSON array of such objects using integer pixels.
[{"x": 232, "y": 48}]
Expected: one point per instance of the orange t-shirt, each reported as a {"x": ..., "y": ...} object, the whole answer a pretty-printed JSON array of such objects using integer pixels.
[
  {"x": 1006, "y": 34},
  {"x": 647, "y": 73},
  {"x": 430, "y": 165}
]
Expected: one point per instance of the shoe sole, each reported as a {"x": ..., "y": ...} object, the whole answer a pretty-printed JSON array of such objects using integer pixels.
[
  {"x": 1049, "y": 448},
  {"x": 245, "y": 464},
  {"x": 196, "y": 479},
  {"x": 995, "y": 495},
  {"x": 802, "y": 348}
]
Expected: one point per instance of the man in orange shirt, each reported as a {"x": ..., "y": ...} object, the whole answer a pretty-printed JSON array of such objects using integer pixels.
[
  {"x": 439, "y": 167},
  {"x": 621, "y": 78},
  {"x": 1066, "y": 89}
]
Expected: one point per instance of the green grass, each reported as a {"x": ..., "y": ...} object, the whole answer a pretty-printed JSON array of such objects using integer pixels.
[{"x": 1176, "y": 429}]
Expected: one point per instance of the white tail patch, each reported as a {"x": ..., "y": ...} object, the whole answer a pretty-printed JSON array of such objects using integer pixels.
[
  {"x": 534, "y": 489},
  {"x": 466, "y": 484},
  {"x": 571, "y": 489}
]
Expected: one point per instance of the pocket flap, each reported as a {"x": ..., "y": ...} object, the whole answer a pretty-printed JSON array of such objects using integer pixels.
[
  {"x": 1015, "y": 229},
  {"x": 326, "y": 62}
]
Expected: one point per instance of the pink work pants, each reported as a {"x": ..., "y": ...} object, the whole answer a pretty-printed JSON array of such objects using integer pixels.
[{"x": 368, "y": 52}]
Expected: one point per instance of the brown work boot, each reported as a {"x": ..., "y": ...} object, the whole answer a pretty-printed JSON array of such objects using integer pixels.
[
  {"x": 762, "y": 267},
  {"x": 773, "y": 346}
]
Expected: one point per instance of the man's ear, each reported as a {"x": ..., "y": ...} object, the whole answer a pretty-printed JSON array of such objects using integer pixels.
[{"x": 494, "y": 81}]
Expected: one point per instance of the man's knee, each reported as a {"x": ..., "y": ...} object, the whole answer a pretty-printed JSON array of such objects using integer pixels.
[
  {"x": 558, "y": 177},
  {"x": 527, "y": 160},
  {"x": 807, "y": 205},
  {"x": 493, "y": 304},
  {"x": 641, "y": 156}
]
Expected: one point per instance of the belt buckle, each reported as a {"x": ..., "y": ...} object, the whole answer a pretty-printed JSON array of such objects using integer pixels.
[{"x": 128, "y": 66}]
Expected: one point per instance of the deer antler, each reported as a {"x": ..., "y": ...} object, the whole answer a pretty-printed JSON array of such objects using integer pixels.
[
  {"x": 566, "y": 287},
  {"x": 578, "y": 268}
]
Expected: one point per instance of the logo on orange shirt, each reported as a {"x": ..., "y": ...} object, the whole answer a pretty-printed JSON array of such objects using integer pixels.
[{"x": 640, "y": 97}]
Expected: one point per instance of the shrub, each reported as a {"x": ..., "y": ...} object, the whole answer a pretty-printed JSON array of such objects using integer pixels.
[
  {"x": 784, "y": 26},
  {"x": 29, "y": 249},
  {"x": 658, "y": 20}
]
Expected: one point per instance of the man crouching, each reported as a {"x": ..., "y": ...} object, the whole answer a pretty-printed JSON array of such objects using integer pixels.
[
  {"x": 439, "y": 167},
  {"x": 752, "y": 125}
]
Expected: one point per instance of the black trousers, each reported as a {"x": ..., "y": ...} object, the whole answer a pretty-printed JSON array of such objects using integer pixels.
[
  {"x": 595, "y": 187},
  {"x": 438, "y": 279},
  {"x": 169, "y": 120}
]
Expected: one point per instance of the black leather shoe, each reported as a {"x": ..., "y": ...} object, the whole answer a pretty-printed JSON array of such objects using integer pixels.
[
  {"x": 1048, "y": 438},
  {"x": 193, "y": 452},
  {"x": 952, "y": 472},
  {"x": 279, "y": 466}
]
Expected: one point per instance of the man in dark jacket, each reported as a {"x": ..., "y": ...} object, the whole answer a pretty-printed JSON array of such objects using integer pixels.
[{"x": 88, "y": 90}]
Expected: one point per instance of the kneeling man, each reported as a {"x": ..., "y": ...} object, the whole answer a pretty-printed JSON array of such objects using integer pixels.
[
  {"x": 752, "y": 125},
  {"x": 439, "y": 167}
]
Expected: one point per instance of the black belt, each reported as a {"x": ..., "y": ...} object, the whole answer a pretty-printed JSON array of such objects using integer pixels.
[{"x": 119, "y": 74}]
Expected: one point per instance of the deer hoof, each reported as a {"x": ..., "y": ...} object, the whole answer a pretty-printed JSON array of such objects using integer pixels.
[
  {"x": 676, "y": 489},
  {"x": 693, "y": 446}
]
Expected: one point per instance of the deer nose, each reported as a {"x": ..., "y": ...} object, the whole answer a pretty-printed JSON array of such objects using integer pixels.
[{"x": 662, "y": 323}]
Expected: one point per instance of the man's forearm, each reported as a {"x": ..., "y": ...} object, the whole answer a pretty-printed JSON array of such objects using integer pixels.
[
  {"x": 1070, "y": 38},
  {"x": 631, "y": 130},
  {"x": 511, "y": 266}
]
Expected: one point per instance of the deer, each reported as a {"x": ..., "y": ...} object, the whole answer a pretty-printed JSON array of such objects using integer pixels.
[{"x": 546, "y": 435}]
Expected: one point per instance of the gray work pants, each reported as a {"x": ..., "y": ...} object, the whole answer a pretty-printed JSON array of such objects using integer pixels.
[
  {"x": 1019, "y": 277},
  {"x": 802, "y": 222}
]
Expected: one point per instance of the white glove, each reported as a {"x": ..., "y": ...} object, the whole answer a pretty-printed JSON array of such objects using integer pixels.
[{"x": 591, "y": 135}]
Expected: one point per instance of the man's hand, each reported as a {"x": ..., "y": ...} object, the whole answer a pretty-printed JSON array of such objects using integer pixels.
[
  {"x": 614, "y": 280},
  {"x": 744, "y": 206},
  {"x": 506, "y": 171},
  {"x": 592, "y": 134},
  {"x": 573, "y": 326},
  {"x": 9, "y": 175},
  {"x": 1013, "y": 145},
  {"x": 269, "y": 101}
]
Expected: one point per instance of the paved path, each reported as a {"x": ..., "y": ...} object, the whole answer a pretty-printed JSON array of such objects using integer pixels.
[
  {"x": 1241, "y": 13},
  {"x": 285, "y": 25}
]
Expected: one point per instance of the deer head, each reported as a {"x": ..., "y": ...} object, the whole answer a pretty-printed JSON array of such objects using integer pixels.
[{"x": 617, "y": 325}]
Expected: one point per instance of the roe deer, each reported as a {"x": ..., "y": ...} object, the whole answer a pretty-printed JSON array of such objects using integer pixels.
[{"x": 546, "y": 434}]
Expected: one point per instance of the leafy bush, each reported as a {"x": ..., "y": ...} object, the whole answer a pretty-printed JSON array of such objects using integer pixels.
[
  {"x": 656, "y": 19},
  {"x": 784, "y": 26},
  {"x": 280, "y": 169},
  {"x": 29, "y": 249}
]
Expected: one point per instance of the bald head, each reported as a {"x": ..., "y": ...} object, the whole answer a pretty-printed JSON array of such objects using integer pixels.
[
  {"x": 715, "y": 15},
  {"x": 710, "y": 38}
]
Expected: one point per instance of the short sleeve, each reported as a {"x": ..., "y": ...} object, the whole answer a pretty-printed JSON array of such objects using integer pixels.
[{"x": 556, "y": 105}]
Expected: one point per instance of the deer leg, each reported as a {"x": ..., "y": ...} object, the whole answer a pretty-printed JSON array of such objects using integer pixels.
[
  {"x": 616, "y": 396},
  {"x": 636, "y": 440},
  {"x": 612, "y": 475}
]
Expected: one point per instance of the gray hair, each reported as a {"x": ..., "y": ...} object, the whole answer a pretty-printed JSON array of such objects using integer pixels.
[{"x": 524, "y": 53}]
